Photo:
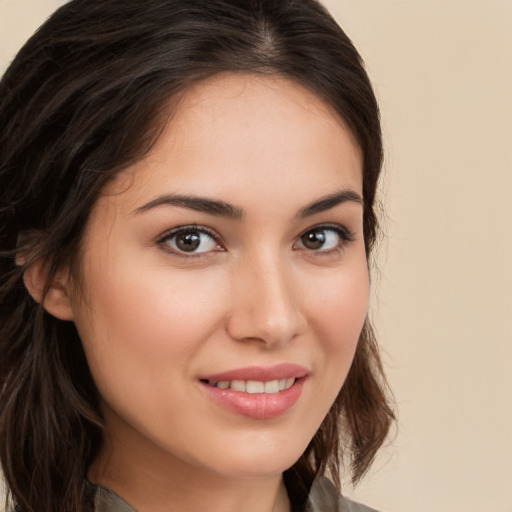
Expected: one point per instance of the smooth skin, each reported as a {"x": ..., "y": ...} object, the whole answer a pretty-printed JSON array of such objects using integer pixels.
[{"x": 266, "y": 279}]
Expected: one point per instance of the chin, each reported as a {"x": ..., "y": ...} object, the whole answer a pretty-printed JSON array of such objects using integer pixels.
[
  {"x": 254, "y": 459},
  {"x": 257, "y": 467}
]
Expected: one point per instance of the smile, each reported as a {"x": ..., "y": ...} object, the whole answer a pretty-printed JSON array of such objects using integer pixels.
[
  {"x": 255, "y": 386},
  {"x": 255, "y": 392}
]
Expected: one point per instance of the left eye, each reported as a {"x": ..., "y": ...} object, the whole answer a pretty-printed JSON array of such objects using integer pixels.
[
  {"x": 322, "y": 239},
  {"x": 190, "y": 240}
]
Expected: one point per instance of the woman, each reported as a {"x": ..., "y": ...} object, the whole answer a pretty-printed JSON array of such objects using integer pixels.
[{"x": 187, "y": 215}]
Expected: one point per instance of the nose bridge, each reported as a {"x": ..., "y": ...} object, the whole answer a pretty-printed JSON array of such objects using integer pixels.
[{"x": 264, "y": 304}]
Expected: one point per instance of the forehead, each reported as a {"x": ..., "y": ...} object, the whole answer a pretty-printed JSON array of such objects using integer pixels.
[{"x": 236, "y": 131}]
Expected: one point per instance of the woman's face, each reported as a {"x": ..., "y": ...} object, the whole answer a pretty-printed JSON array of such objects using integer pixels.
[{"x": 226, "y": 281}]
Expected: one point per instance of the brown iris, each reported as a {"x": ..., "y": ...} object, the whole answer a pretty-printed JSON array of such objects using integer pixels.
[
  {"x": 189, "y": 241},
  {"x": 313, "y": 239}
]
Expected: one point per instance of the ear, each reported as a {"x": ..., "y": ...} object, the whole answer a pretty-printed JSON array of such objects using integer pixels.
[{"x": 57, "y": 300}]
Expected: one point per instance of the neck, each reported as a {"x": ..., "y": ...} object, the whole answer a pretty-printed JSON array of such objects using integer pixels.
[{"x": 150, "y": 481}]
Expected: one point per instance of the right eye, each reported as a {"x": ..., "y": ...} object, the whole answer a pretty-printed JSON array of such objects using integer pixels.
[{"x": 190, "y": 240}]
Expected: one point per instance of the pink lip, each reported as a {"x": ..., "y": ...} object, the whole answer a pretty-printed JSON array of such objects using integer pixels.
[
  {"x": 261, "y": 373},
  {"x": 257, "y": 405}
]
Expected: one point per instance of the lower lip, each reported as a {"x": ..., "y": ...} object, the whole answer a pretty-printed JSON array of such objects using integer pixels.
[{"x": 261, "y": 406}]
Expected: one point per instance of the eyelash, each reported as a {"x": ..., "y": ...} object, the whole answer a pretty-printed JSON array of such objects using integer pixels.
[
  {"x": 344, "y": 235},
  {"x": 163, "y": 240}
]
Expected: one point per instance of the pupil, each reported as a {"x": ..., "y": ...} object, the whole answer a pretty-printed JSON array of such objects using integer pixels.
[
  {"x": 188, "y": 241},
  {"x": 313, "y": 239}
]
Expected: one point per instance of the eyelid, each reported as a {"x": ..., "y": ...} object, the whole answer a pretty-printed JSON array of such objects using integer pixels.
[
  {"x": 345, "y": 235},
  {"x": 188, "y": 227},
  {"x": 161, "y": 240}
]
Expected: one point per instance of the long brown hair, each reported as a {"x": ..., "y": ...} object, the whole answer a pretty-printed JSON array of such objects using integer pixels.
[{"x": 82, "y": 100}]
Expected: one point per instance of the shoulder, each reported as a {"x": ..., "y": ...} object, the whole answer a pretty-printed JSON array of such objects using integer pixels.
[{"x": 324, "y": 497}]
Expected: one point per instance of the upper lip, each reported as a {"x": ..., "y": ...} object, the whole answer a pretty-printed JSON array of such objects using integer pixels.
[{"x": 259, "y": 373}]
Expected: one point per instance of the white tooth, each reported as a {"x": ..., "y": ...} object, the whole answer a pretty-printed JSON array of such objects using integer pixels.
[
  {"x": 282, "y": 384},
  {"x": 254, "y": 386},
  {"x": 238, "y": 385},
  {"x": 223, "y": 384},
  {"x": 272, "y": 386},
  {"x": 289, "y": 383}
]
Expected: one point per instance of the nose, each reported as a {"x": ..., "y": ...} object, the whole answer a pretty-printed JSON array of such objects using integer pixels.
[{"x": 265, "y": 302}]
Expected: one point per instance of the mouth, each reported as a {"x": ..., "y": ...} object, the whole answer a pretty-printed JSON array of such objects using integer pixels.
[
  {"x": 255, "y": 392},
  {"x": 253, "y": 386}
]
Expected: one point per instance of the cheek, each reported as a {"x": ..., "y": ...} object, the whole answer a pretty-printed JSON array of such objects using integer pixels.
[
  {"x": 142, "y": 335},
  {"x": 341, "y": 306},
  {"x": 340, "y": 311},
  {"x": 141, "y": 313}
]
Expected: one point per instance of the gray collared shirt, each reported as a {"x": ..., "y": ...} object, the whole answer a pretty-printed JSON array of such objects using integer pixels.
[{"x": 323, "y": 498}]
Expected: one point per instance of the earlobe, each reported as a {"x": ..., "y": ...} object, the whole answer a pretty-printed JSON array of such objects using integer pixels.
[{"x": 56, "y": 301}]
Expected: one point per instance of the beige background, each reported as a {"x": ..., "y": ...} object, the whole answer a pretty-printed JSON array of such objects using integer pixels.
[{"x": 443, "y": 73}]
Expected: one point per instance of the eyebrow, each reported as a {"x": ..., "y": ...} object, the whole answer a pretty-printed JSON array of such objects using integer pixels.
[
  {"x": 223, "y": 209},
  {"x": 199, "y": 204},
  {"x": 328, "y": 202}
]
